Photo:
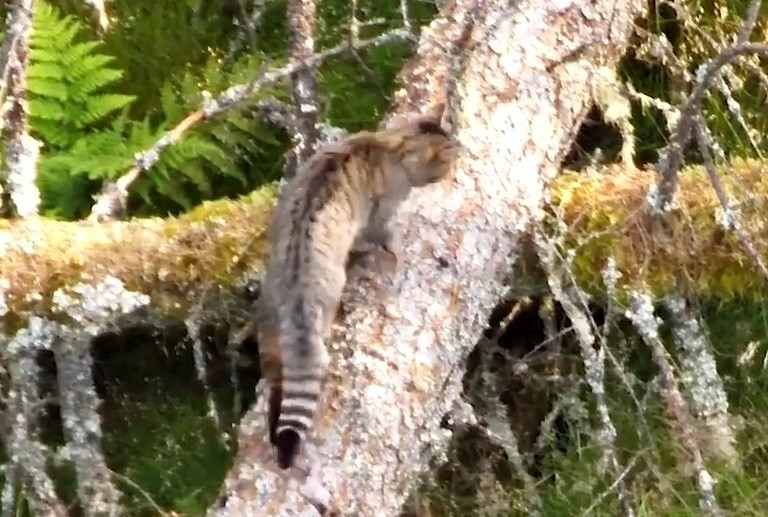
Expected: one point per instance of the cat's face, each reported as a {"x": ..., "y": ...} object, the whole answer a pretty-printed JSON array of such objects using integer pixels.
[{"x": 427, "y": 150}]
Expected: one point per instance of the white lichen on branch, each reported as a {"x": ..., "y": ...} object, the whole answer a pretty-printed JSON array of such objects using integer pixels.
[
  {"x": 302, "y": 18},
  {"x": 680, "y": 420},
  {"x": 27, "y": 454},
  {"x": 704, "y": 385},
  {"x": 81, "y": 312},
  {"x": 21, "y": 150}
]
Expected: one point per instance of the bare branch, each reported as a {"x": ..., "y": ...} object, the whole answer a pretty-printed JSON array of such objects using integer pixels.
[
  {"x": 675, "y": 406},
  {"x": 27, "y": 452},
  {"x": 21, "y": 150},
  {"x": 750, "y": 20},
  {"x": 229, "y": 99},
  {"x": 593, "y": 357},
  {"x": 671, "y": 159},
  {"x": 81, "y": 422},
  {"x": 405, "y": 15},
  {"x": 100, "y": 14},
  {"x": 730, "y": 216},
  {"x": 705, "y": 386},
  {"x": 251, "y": 21},
  {"x": 302, "y": 17}
]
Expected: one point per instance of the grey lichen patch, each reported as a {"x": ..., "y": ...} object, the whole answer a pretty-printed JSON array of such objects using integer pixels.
[
  {"x": 27, "y": 454},
  {"x": 90, "y": 306},
  {"x": 703, "y": 382},
  {"x": 79, "y": 408},
  {"x": 83, "y": 311}
]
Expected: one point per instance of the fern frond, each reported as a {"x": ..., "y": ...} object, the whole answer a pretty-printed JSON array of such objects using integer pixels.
[
  {"x": 73, "y": 54},
  {"x": 47, "y": 110},
  {"x": 45, "y": 70},
  {"x": 94, "y": 81},
  {"x": 49, "y": 89},
  {"x": 87, "y": 64},
  {"x": 97, "y": 107},
  {"x": 67, "y": 79}
]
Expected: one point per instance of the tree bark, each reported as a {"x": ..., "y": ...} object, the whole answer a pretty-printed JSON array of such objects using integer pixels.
[
  {"x": 302, "y": 17},
  {"x": 518, "y": 81}
]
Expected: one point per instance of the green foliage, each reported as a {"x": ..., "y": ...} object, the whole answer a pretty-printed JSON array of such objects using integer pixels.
[
  {"x": 89, "y": 136},
  {"x": 69, "y": 102},
  {"x": 226, "y": 156},
  {"x": 695, "y": 31},
  {"x": 159, "y": 40}
]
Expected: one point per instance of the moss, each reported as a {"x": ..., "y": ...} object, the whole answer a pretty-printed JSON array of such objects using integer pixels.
[
  {"x": 606, "y": 214},
  {"x": 165, "y": 258}
]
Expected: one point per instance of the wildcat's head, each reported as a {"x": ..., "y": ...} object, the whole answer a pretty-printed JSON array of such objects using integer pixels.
[{"x": 426, "y": 150}]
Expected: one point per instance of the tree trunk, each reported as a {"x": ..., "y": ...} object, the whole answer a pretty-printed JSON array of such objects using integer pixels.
[{"x": 518, "y": 81}]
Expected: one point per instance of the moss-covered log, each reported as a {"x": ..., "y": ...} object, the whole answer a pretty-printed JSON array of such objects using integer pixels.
[
  {"x": 172, "y": 260},
  {"x": 606, "y": 214},
  {"x": 221, "y": 242}
]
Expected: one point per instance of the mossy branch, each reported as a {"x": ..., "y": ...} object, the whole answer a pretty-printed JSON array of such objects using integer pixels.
[
  {"x": 172, "y": 259},
  {"x": 605, "y": 214}
]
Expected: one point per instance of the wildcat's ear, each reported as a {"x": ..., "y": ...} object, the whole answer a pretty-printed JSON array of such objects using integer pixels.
[
  {"x": 435, "y": 112},
  {"x": 438, "y": 115},
  {"x": 397, "y": 122}
]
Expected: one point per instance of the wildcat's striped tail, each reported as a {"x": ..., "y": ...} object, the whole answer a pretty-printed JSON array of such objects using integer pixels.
[{"x": 299, "y": 392}]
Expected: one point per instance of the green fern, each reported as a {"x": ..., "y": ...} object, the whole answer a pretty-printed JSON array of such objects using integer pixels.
[
  {"x": 211, "y": 160},
  {"x": 67, "y": 78},
  {"x": 89, "y": 136},
  {"x": 68, "y": 103}
]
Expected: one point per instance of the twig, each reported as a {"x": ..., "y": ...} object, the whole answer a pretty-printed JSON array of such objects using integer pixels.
[
  {"x": 21, "y": 150},
  {"x": 128, "y": 481},
  {"x": 100, "y": 13},
  {"x": 251, "y": 22},
  {"x": 302, "y": 17},
  {"x": 226, "y": 101},
  {"x": 671, "y": 159},
  {"x": 354, "y": 38},
  {"x": 575, "y": 307},
  {"x": 730, "y": 216},
  {"x": 675, "y": 406},
  {"x": 749, "y": 21},
  {"x": 405, "y": 16},
  {"x": 616, "y": 484}
]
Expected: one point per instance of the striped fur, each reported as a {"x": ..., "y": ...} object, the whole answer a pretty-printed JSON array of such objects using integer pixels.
[{"x": 341, "y": 202}]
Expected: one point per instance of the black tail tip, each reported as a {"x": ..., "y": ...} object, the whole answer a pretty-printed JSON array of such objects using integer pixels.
[{"x": 288, "y": 443}]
